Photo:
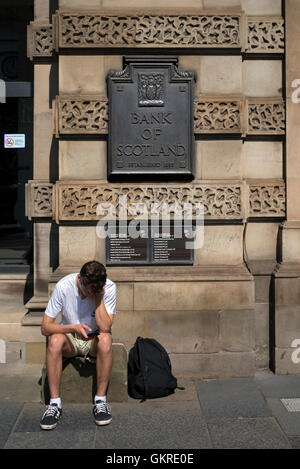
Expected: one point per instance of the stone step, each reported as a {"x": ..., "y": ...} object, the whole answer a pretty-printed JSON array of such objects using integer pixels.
[
  {"x": 12, "y": 311},
  {"x": 20, "y": 382},
  {"x": 78, "y": 384},
  {"x": 15, "y": 281},
  {"x": 17, "y": 352}
]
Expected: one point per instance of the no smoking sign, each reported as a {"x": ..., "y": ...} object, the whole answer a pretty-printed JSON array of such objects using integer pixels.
[{"x": 14, "y": 141}]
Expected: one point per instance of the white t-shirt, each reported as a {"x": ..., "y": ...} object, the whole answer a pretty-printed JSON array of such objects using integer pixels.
[{"x": 67, "y": 300}]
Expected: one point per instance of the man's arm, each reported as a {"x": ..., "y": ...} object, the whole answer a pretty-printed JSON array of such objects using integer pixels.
[
  {"x": 103, "y": 319},
  {"x": 48, "y": 327}
]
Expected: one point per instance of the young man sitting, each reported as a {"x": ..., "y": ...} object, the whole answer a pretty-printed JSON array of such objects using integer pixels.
[{"x": 87, "y": 301}]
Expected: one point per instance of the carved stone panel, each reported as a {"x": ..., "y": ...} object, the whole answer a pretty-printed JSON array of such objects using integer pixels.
[
  {"x": 93, "y": 29},
  {"x": 219, "y": 115},
  {"x": 150, "y": 119},
  {"x": 267, "y": 200},
  {"x": 75, "y": 201},
  {"x": 81, "y": 115},
  {"x": 212, "y": 115},
  {"x": 39, "y": 198},
  {"x": 39, "y": 40},
  {"x": 147, "y": 30},
  {"x": 265, "y": 116},
  {"x": 80, "y": 201},
  {"x": 265, "y": 34}
]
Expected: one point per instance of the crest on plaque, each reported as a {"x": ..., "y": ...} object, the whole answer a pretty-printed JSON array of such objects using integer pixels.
[{"x": 151, "y": 89}]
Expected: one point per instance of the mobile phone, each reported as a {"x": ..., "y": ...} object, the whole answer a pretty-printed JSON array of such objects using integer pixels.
[{"x": 93, "y": 334}]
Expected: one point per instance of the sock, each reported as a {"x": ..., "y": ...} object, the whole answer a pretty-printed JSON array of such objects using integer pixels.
[
  {"x": 100, "y": 398},
  {"x": 57, "y": 401}
]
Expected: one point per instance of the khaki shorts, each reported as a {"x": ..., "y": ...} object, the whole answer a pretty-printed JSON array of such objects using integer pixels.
[{"x": 81, "y": 347}]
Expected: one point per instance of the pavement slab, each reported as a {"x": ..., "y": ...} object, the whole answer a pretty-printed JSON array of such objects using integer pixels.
[
  {"x": 295, "y": 442},
  {"x": 289, "y": 421},
  {"x": 51, "y": 440},
  {"x": 286, "y": 386},
  {"x": 9, "y": 412},
  {"x": 236, "y": 413},
  {"x": 235, "y": 397},
  {"x": 241, "y": 433},
  {"x": 166, "y": 426},
  {"x": 74, "y": 416}
]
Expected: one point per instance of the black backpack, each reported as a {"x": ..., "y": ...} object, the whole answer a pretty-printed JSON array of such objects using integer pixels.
[{"x": 149, "y": 370}]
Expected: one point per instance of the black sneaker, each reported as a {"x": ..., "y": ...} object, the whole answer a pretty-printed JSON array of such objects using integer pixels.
[
  {"x": 101, "y": 413},
  {"x": 51, "y": 417}
]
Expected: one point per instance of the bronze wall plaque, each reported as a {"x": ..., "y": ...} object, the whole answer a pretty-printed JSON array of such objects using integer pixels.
[{"x": 150, "y": 120}]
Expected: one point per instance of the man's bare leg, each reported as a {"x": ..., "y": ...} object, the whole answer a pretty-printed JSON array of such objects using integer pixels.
[
  {"x": 102, "y": 349},
  {"x": 58, "y": 346}
]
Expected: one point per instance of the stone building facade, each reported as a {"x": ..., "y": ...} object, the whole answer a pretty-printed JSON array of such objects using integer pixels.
[{"x": 236, "y": 309}]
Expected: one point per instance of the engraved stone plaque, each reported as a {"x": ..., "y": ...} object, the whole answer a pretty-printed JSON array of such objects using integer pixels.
[{"x": 150, "y": 120}]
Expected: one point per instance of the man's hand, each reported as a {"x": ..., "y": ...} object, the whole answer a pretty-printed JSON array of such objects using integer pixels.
[{"x": 80, "y": 329}]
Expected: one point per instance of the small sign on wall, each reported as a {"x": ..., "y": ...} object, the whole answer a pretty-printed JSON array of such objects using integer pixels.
[{"x": 14, "y": 140}]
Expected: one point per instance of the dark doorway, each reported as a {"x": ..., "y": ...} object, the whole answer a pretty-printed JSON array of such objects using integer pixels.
[{"x": 16, "y": 117}]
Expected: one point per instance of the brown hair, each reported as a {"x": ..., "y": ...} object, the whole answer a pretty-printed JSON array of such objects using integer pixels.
[{"x": 93, "y": 276}]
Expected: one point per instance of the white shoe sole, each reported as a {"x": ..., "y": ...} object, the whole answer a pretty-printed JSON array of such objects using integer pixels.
[
  {"x": 104, "y": 422},
  {"x": 48, "y": 427}
]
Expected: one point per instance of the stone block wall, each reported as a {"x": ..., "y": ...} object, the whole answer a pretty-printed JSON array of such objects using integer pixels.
[{"x": 213, "y": 317}]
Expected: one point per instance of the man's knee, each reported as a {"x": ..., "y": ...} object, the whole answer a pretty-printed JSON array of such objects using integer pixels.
[
  {"x": 104, "y": 343},
  {"x": 56, "y": 342}
]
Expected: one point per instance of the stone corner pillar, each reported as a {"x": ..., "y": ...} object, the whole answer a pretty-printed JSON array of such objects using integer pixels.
[
  {"x": 42, "y": 154},
  {"x": 285, "y": 326}
]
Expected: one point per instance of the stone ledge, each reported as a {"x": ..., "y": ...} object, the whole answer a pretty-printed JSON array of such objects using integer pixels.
[
  {"x": 287, "y": 270},
  {"x": 37, "y": 303},
  {"x": 166, "y": 274},
  {"x": 33, "y": 318},
  {"x": 78, "y": 383},
  {"x": 213, "y": 365}
]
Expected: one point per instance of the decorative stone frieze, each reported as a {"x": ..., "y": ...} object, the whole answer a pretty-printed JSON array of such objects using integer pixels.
[
  {"x": 228, "y": 201},
  {"x": 39, "y": 198},
  {"x": 88, "y": 114},
  {"x": 39, "y": 40},
  {"x": 219, "y": 115},
  {"x": 80, "y": 201},
  {"x": 265, "y": 34},
  {"x": 67, "y": 201},
  {"x": 81, "y": 115},
  {"x": 267, "y": 200},
  {"x": 94, "y": 29}
]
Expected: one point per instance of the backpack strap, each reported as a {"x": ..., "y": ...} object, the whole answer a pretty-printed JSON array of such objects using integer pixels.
[{"x": 140, "y": 346}]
